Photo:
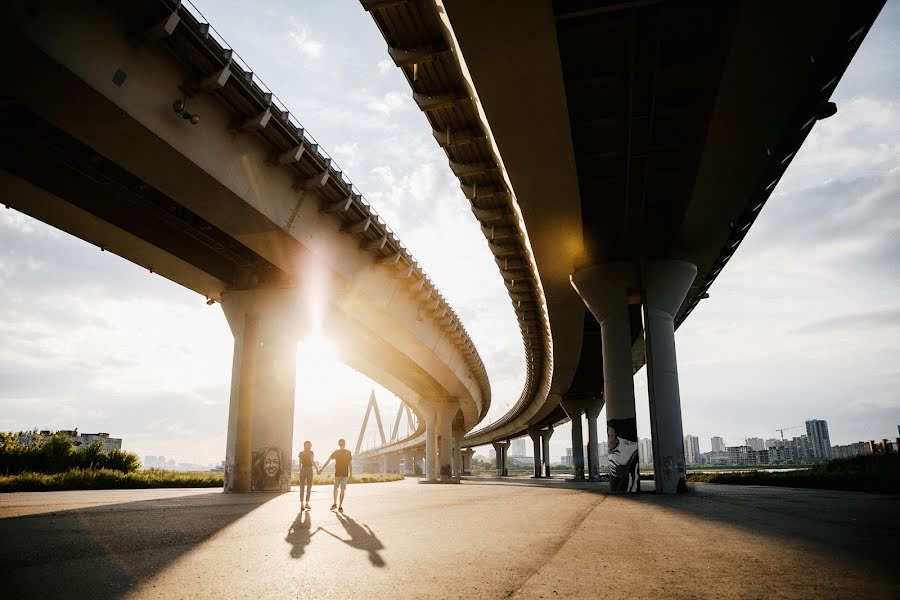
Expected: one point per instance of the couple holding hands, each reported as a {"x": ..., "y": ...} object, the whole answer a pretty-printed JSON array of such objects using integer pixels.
[{"x": 343, "y": 470}]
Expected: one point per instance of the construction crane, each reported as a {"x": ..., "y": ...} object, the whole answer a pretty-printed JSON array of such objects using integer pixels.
[{"x": 783, "y": 429}]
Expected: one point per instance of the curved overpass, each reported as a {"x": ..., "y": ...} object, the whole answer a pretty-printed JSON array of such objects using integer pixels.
[
  {"x": 633, "y": 144},
  {"x": 136, "y": 129}
]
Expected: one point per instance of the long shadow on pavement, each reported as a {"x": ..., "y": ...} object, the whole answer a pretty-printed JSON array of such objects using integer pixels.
[
  {"x": 104, "y": 551},
  {"x": 858, "y": 527},
  {"x": 361, "y": 537}
]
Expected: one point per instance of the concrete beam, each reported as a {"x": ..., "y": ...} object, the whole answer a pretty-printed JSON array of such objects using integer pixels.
[
  {"x": 429, "y": 103},
  {"x": 357, "y": 226},
  {"x": 291, "y": 156},
  {"x": 162, "y": 28},
  {"x": 405, "y": 57},
  {"x": 252, "y": 123}
]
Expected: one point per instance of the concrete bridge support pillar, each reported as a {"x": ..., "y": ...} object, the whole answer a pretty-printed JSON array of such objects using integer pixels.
[
  {"x": 446, "y": 416},
  {"x": 593, "y": 446},
  {"x": 467, "y": 455},
  {"x": 574, "y": 409},
  {"x": 458, "y": 434},
  {"x": 430, "y": 416},
  {"x": 666, "y": 282},
  {"x": 545, "y": 450},
  {"x": 500, "y": 451},
  {"x": 408, "y": 467},
  {"x": 261, "y": 412},
  {"x": 535, "y": 436},
  {"x": 605, "y": 289},
  {"x": 384, "y": 464}
]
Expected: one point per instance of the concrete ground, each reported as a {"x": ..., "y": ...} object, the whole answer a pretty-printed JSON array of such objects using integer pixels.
[{"x": 482, "y": 539}]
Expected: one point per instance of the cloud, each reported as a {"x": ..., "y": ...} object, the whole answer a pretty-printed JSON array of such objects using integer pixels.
[
  {"x": 389, "y": 102},
  {"x": 300, "y": 36},
  {"x": 875, "y": 319},
  {"x": 385, "y": 66}
]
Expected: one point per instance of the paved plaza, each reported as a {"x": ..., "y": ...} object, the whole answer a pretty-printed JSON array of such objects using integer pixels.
[{"x": 482, "y": 539}]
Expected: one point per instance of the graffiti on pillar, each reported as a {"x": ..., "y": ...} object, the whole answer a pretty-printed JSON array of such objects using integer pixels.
[
  {"x": 623, "y": 455},
  {"x": 229, "y": 474},
  {"x": 270, "y": 473}
]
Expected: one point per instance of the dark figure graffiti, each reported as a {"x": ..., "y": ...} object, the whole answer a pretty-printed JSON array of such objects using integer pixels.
[
  {"x": 623, "y": 455},
  {"x": 269, "y": 472}
]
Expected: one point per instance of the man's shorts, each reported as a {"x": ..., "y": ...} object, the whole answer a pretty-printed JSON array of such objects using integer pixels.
[{"x": 340, "y": 482}]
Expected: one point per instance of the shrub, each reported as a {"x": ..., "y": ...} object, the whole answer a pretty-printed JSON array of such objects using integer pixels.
[{"x": 57, "y": 454}]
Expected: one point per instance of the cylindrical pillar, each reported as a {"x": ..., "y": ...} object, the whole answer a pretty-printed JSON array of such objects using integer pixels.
[
  {"x": 545, "y": 450},
  {"x": 605, "y": 288},
  {"x": 536, "y": 442},
  {"x": 505, "y": 450},
  {"x": 430, "y": 442},
  {"x": 467, "y": 461},
  {"x": 446, "y": 415},
  {"x": 574, "y": 408},
  {"x": 666, "y": 282},
  {"x": 592, "y": 413},
  {"x": 458, "y": 434},
  {"x": 261, "y": 412},
  {"x": 498, "y": 457}
]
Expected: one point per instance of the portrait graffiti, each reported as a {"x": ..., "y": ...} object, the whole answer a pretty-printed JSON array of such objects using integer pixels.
[
  {"x": 270, "y": 473},
  {"x": 623, "y": 455}
]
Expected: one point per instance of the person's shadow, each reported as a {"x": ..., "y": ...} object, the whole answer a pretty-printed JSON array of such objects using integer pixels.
[
  {"x": 361, "y": 538},
  {"x": 300, "y": 534}
]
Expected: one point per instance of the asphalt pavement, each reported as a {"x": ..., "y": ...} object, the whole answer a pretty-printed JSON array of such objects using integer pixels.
[{"x": 514, "y": 538}]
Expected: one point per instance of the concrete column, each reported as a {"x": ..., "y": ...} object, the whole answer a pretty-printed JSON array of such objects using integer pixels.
[
  {"x": 545, "y": 450},
  {"x": 498, "y": 457},
  {"x": 458, "y": 434},
  {"x": 430, "y": 416},
  {"x": 446, "y": 411},
  {"x": 261, "y": 412},
  {"x": 666, "y": 282},
  {"x": 593, "y": 446},
  {"x": 535, "y": 436},
  {"x": 574, "y": 408},
  {"x": 605, "y": 290},
  {"x": 385, "y": 464},
  {"x": 467, "y": 455},
  {"x": 505, "y": 450},
  {"x": 408, "y": 467}
]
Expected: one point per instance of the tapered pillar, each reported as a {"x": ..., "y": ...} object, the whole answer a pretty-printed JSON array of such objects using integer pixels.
[
  {"x": 467, "y": 455},
  {"x": 505, "y": 450},
  {"x": 666, "y": 282},
  {"x": 605, "y": 290},
  {"x": 574, "y": 408},
  {"x": 446, "y": 412},
  {"x": 592, "y": 413},
  {"x": 458, "y": 434},
  {"x": 499, "y": 457},
  {"x": 545, "y": 450},
  {"x": 261, "y": 411},
  {"x": 408, "y": 463},
  {"x": 430, "y": 416},
  {"x": 535, "y": 436}
]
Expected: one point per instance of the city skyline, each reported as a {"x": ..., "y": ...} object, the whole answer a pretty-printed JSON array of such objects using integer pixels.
[{"x": 131, "y": 353}]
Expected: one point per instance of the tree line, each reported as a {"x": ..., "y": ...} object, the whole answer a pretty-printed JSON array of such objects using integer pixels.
[{"x": 57, "y": 453}]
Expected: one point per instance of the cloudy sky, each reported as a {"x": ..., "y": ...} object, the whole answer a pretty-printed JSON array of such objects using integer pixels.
[{"x": 803, "y": 323}]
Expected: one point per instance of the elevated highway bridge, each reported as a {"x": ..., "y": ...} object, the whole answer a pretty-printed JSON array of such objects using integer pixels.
[
  {"x": 616, "y": 153},
  {"x": 134, "y": 127}
]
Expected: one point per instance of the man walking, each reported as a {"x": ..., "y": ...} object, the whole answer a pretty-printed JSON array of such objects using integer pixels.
[
  {"x": 343, "y": 471},
  {"x": 307, "y": 464}
]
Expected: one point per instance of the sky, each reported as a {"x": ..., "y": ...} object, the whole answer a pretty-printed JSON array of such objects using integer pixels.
[{"x": 803, "y": 323}]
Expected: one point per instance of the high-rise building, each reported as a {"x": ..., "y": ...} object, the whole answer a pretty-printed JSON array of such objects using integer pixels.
[
  {"x": 567, "y": 459},
  {"x": 755, "y": 443},
  {"x": 645, "y": 451},
  {"x": 819, "y": 440},
  {"x": 518, "y": 447},
  {"x": 691, "y": 450},
  {"x": 718, "y": 444}
]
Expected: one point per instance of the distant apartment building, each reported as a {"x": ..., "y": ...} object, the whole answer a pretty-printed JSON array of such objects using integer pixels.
[
  {"x": 603, "y": 450},
  {"x": 645, "y": 451},
  {"x": 518, "y": 448},
  {"x": 745, "y": 455},
  {"x": 713, "y": 458},
  {"x": 792, "y": 451},
  {"x": 851, "y": 450},
  {"x": 756, "y": 443},
  {"x": 567, "y": 460},
  {"x": 718, "y": 444},
  {"x": 819, "y": 440},
  {"x": 691, "y": 450}
]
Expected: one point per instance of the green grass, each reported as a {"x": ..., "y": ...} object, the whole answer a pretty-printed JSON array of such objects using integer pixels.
[
  {"x": 108, "y": 479},
  {"x": 878, "y": 473},
  {"x": 362, "y": 478}
]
